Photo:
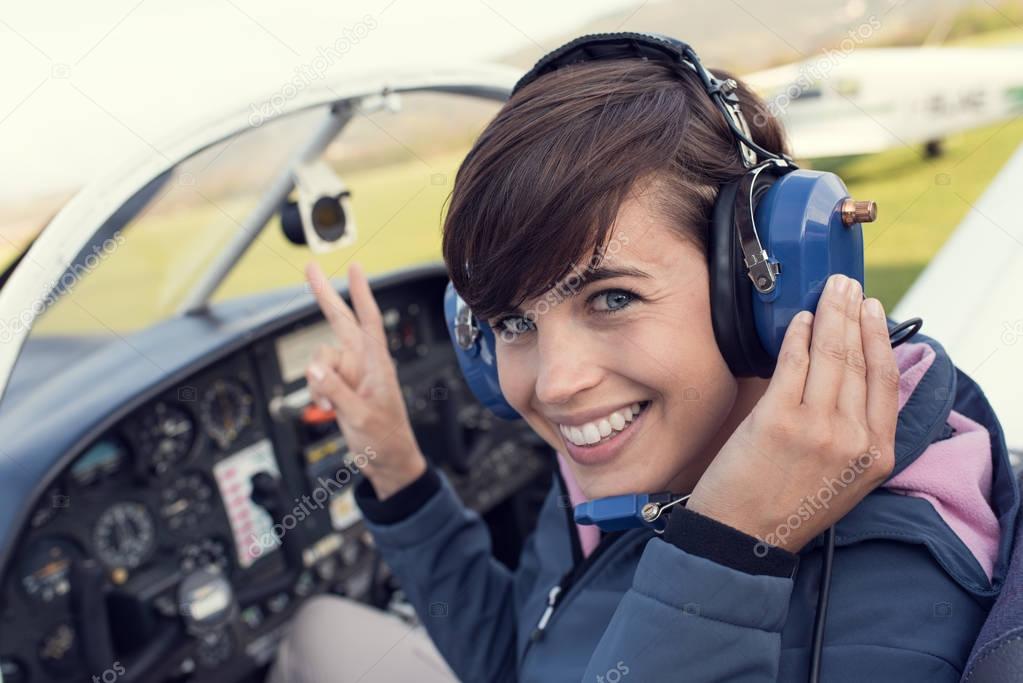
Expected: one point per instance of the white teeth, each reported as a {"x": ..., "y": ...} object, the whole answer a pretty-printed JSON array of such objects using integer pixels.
[
  {"x": 575, "y": 435},
  {"x": 592, "y": 432}
]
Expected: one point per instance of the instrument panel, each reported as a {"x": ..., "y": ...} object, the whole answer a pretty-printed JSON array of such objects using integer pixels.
[{"x": 179, "y": 541}]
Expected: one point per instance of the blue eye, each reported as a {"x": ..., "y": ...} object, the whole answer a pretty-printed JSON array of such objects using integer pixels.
[
  {"x": 511, "y": 326},
  {"x": 614, "y": 299},
  {"x": 508, "y": 328}
]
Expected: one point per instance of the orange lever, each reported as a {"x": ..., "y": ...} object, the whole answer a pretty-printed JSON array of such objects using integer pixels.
[{"x": 314, "y": 414}]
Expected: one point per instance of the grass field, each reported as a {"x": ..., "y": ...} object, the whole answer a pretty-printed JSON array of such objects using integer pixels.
[{"x": 921, "y": 201}]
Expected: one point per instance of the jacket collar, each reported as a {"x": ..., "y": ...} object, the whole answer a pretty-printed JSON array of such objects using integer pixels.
[{"x": 922, "y": 420}]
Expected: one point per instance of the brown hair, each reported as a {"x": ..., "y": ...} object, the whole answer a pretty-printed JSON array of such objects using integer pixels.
[{"x": 544, "y": 180}]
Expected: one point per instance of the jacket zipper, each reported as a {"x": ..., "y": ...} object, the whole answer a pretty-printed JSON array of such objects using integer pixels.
[
  {"x": 552, "y": 602},
  {"x": 557, "y": 593}
]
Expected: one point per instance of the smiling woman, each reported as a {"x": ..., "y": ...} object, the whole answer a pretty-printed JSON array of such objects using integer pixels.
[
  {"x": 614, "y": 185},
  {"x": 580, "y": 232}
]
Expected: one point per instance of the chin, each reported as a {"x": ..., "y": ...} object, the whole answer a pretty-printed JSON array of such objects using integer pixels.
[{"x": 619, "y": 481}]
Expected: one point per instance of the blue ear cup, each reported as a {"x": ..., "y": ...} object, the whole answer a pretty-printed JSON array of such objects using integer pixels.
[
  {"x": 801, "y": 222},
  {"x": 475, "y": 350},
  {"x": 801, "y": 219}
]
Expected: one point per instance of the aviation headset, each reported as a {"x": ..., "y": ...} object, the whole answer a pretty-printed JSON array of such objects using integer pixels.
[{"x": 778, "y": 233}]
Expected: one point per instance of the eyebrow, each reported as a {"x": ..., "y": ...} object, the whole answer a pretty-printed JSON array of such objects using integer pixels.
[{"x": 590, "y": 276}]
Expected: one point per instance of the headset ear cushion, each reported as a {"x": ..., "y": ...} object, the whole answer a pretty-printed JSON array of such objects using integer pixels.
[{"x": 731, "y": 294}]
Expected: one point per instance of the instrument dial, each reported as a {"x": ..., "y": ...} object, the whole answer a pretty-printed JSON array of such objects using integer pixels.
[
  {"x": 166, "y": 437},
  {"x": 104, "y": 459},
  {"x": 206, "y": 553},
  {"x": 124, "y": 535},
  {"x": 46, "y": 569},
  {"x": 185, "y": 501},
  {"x": 226, "y": 410}
]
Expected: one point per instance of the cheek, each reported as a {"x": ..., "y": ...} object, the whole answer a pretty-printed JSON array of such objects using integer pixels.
[{"x": 513, "y": 376}]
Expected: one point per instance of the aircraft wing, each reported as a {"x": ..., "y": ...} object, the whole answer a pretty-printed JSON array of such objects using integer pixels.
[{"x": 971, "y": 298}]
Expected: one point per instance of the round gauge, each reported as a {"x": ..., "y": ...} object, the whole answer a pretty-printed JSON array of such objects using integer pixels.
[
  {"x": 166, "y": 437},
  {"x": 226, "y": 410},
  {"x": 46, "y": 569},
  {"x": 206, "y": 553},
  {"x": 124, "y": 535},
  {"x": 185, "y": 501}
]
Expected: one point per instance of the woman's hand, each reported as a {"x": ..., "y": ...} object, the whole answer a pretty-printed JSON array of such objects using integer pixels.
[
  {"x": 822, "y": 436},
  {"x": 359, "y": 381}
]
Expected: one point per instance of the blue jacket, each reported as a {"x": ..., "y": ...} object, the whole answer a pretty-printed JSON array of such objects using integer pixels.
[{"x": 908, "y": 594}]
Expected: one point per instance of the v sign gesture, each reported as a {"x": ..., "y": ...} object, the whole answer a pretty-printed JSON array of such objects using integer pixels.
[{"x": 358, "y": 379}]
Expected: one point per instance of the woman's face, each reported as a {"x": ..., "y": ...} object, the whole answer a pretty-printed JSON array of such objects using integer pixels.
[{"x": 632, "y": 329}]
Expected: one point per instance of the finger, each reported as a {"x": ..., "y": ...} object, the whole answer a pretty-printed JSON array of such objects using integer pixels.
[
  {"x": 345, "y": 364},
  {"x": 325, "y": 382},
  {"x": 366, "y": 307},
  {"x": 334, "y": 308},
  {"x": 852, "y": 398},
  {"x": 789, "y": 378},
  {"x": 827, "y": 345},
  {"x": 882, "y": 372}
]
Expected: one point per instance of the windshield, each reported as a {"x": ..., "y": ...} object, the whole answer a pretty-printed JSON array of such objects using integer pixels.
[{"x": 399, "y": 167}]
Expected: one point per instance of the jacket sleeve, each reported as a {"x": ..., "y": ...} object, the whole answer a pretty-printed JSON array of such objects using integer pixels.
[
  {"x": 440, "y": 552},
  {"x": 710, "y": 612}
]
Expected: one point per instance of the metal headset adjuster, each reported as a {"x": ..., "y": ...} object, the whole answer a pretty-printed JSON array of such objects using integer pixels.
[
  {"x": 760, "y": 269},
  {"x": 467, "y": 330},
  {"x": 652, "y": 511}
]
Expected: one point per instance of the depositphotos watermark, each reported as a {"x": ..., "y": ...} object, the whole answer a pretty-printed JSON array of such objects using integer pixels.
[
  {"x": 812, "y": 72},
  {"x": 58, "y": 288},
  {"x": 306, "y": 74},
  {"x": 569, "y": 285},
  {"x": 811, "y": 505},
  {"x": 614, "y": 674},
  {"x": 303, "y": 509},
  {"x": 110, "y": 675}
]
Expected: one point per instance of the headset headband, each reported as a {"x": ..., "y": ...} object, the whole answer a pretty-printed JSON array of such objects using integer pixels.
[{"x": 630, "y": 45}]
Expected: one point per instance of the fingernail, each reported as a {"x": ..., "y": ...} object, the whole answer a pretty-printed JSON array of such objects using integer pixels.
[
  {"x": 804, "y": 317},
  {"x": 839, "y": 283},
  {"x": 325, "y": 404},
  {"x": 875, "y": 308},
  {"x": 317, "y": 372}
]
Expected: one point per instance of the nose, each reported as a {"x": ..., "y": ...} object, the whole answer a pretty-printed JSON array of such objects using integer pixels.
[{"x": 566, "y": 364}]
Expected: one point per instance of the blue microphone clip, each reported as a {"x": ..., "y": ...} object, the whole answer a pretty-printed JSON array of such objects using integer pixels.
[{"x": 629, "y": 511}]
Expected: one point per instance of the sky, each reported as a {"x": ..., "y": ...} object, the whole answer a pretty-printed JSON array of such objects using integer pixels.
[{"x": 86, "y": 84}]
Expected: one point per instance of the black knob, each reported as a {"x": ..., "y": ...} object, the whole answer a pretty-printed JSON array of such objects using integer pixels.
[{"x": 266, "y": 492}]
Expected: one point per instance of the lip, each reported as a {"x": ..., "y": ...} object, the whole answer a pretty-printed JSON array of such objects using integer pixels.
[
  {"x": 579, "y": 419},
  {"x": 608, "y": 450}
]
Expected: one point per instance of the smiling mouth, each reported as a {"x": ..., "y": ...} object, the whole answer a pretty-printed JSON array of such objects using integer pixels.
[{"x": 607, "y": 429}]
